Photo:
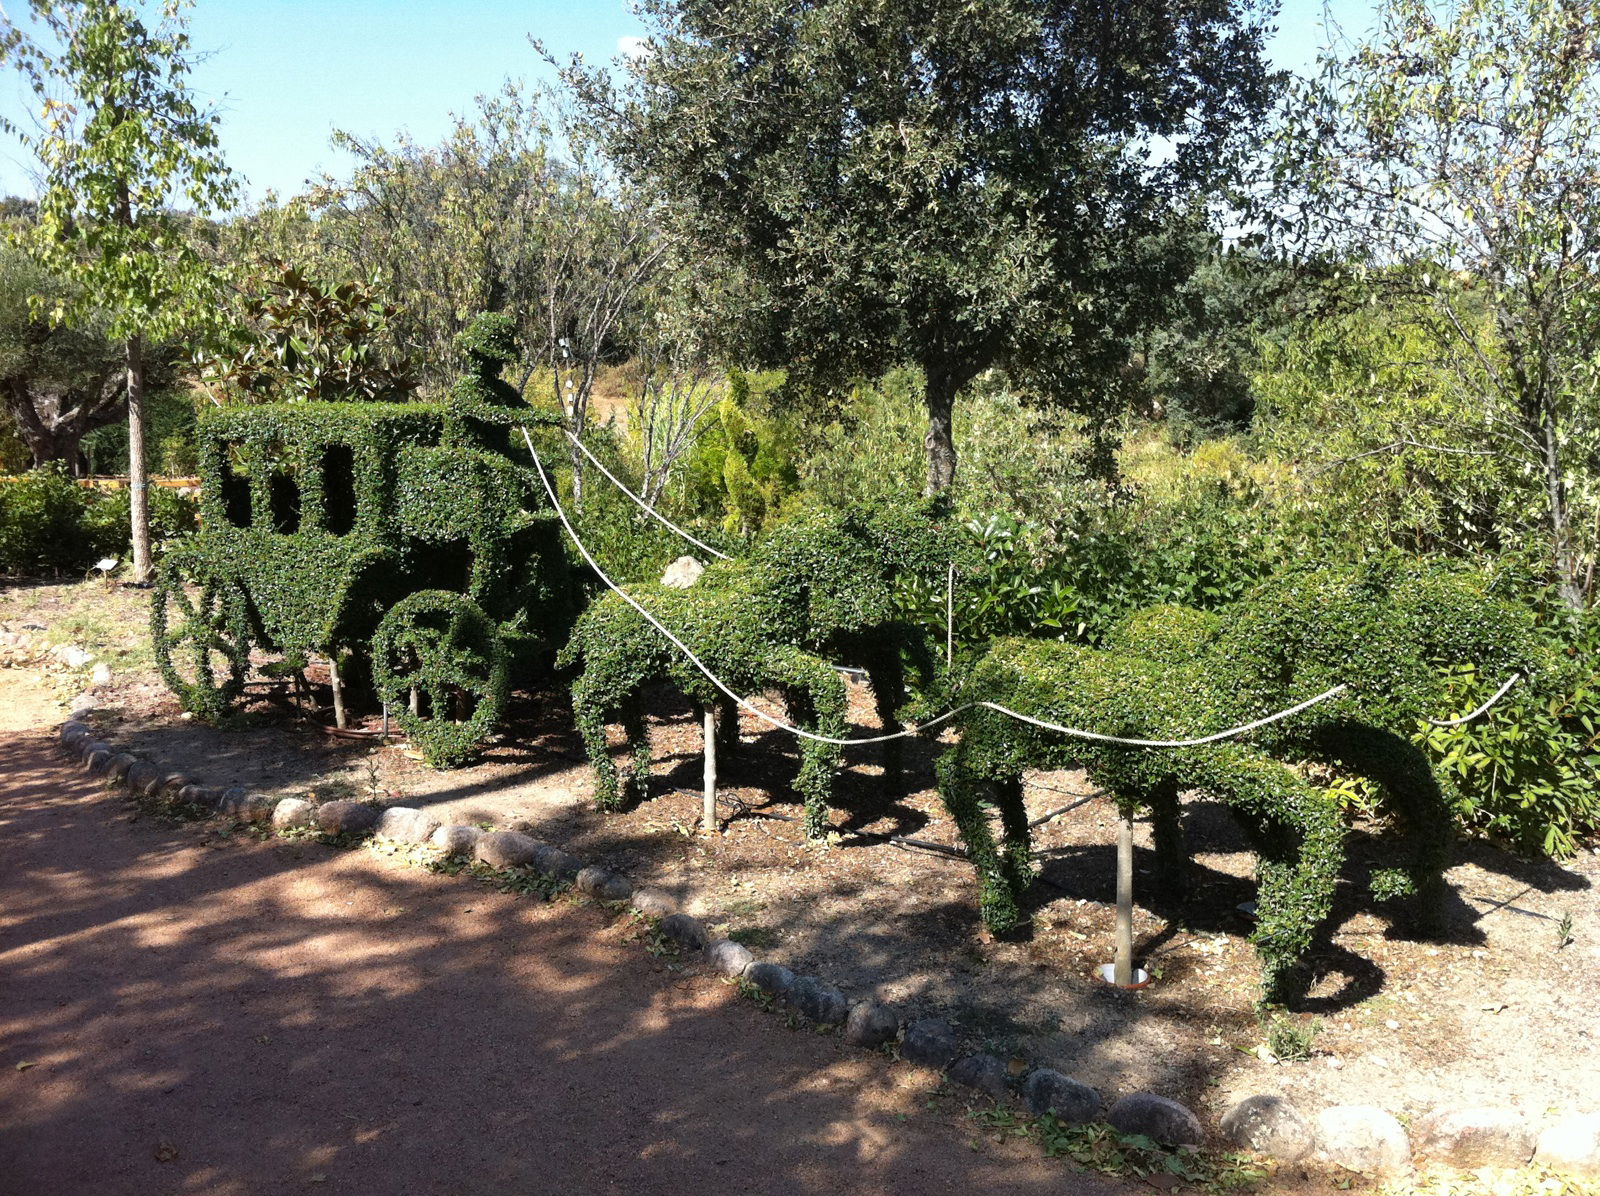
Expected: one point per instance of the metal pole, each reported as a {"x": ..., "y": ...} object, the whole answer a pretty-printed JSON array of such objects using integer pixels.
[
  {"x": 950, "y": 617},
  {"x": 709, "y": 809},
  {"x": 1122, "y": 968}
]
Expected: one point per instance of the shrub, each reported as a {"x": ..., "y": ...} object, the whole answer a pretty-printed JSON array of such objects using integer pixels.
[{"x": 51, "y": 524}]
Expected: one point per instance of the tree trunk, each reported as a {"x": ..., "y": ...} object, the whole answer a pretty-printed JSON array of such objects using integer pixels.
[
  {"x": 940, "y": 396},
  {"x": 138, "y": 473},
  {"x": 1563, "y": 558}
]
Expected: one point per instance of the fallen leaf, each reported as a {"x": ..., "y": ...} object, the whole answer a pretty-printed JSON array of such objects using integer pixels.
[
  {"x": 25, "y": 1066},
  {"x": 166, "y": 1152}
]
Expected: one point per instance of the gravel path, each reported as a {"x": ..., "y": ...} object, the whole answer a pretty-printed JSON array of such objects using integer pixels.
[{"x": 182, "y": 1011}]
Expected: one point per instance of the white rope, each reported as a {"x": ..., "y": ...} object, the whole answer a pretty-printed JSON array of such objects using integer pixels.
[
  {"x": 649, "y": 510},
  {"x": 1467, "y": 718},
  {"x": 933, "y": 722}
]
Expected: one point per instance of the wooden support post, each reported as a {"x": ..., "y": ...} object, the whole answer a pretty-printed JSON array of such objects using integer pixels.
[
  {"x": 709, "y": 811},
  {"x": 338, "y": 688},
  {"x": 1122, "y": 967},
  {"x": 950, "y": 617},
  {"x": 414, "y": 703}
]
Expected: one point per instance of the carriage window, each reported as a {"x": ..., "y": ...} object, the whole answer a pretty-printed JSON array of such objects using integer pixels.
[
  {"x": 284, "y": 492},
  {"x": 235, "y": 494},
  {"x": 339, "y": 489}
]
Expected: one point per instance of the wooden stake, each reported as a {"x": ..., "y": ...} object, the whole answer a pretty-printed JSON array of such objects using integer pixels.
[
  {"x": 709, "y": 811},
  {"x": 1122, "y": 968},
  {"x": 338, "y": 689},
  {"x": 950, "y": 617}
]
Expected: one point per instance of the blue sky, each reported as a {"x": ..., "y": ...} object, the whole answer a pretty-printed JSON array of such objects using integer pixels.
[{"x": 285, "y": 73}]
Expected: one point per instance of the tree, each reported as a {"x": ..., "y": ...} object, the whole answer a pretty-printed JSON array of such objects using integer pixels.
[
  {"x": 120, "y": 139},
  {"x": 1456, "y": 155},
  {"x": 948, "y": 183}
]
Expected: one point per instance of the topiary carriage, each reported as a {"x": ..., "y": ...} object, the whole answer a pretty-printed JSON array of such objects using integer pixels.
[
  {"x": 820, "y": 588},
  {"x": 1388, "y": 633},
  {"x": 405, "y": 534}
]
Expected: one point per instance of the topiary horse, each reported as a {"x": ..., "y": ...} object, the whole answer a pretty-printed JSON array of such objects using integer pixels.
[
  {"x": 821, "y": 586},
  {"x": 1171, "y": 673}
]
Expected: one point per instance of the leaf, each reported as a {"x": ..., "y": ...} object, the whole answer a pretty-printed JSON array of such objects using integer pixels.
[{"x": 25, "y": 1066}]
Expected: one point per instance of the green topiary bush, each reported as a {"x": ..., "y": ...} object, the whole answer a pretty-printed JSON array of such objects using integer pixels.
[
  {"x": 1389, "y": 632},
  {"x": 51, "y": 524}
]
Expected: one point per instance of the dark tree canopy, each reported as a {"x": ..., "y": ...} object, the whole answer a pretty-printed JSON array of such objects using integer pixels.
[{"x": 943, "y": 182}]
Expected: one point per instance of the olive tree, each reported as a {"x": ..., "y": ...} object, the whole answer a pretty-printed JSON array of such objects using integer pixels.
[
  {"x": 1455, "y": 155},
  {"x": 119, "y": 140},
  {"x": 946, "y": 183}
]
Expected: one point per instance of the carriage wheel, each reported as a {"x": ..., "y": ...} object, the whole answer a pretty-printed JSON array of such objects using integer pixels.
[
  {"x": 441, "y": 668},
  {"x": 201, "y": 641}
]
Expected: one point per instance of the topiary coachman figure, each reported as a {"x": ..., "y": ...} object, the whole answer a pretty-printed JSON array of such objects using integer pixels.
[
  {"x": 821, "y": 586},
  {"x": 1173, "y": 673}
]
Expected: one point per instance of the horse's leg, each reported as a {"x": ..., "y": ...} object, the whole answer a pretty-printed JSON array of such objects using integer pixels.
[
  {"x": 1172, "y": 873},
  {"x": 816, "y": 699},
  {"x": 967, "y": 797},
  {"x": 637, "y": 728},
  {"x": 1406, "y": 777},
  {"x": 727, "y": 720},
  {"x": 1016, "y": 855},
  {"x": 1299, "y": 840},
  {"x": 886, "y": 675}
]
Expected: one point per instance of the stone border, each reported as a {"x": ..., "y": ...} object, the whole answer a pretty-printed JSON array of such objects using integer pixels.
[{"x": 1356, "y": 1138}]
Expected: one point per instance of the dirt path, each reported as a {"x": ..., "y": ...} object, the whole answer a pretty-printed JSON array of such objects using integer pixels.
[{"x": 211, "y": 1014}]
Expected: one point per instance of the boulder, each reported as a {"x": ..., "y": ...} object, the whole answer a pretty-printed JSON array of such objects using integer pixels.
[
  {"x": 689, "y": 933},
  {"x": 817, "y": 1002},
  {"x": 771, "y": 978},
  {"x": 120, "y": 764},
  {"x": 1475, "y": 1137},
  {"x": 930, "y": 1042},
  {"x": 604, "y": 884},
  {"x": 456, "y": 840},
  {"x": 98, "y": 759},
  {"x": 1571, "y": 1144},
  {"x": 682, "y": 573},
  {"x": 983, "y": 1073},
  {"x": 1158, "y": 1117},
  {"x": 346, "y": 817},
  {"x": 1362, "y": 1138},
  {"x": 506, "y": 849},
  {"x": 1070, "y": 1101},
  {"x": 870, "y": 1024},
  {"x": 654, "y": 903},
  {"x": 72, "y": 730},
  {"x": 554, "y": 862},
  {"x": 293, "y": 813},
  {"x": 142, "y": 776},
  {"x": 729, "y": 958},
  {"x": 1270, "y": 1125},
  {"x": 101, "y": 676},
  {"x": 199, "y": 795},
  {"x": 173, "y": 784},
  {"x": 406, "y": 825}
]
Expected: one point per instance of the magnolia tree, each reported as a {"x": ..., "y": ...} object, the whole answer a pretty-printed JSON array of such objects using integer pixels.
[
  {"x": 1456, "y": 154},
  {"x": 120, "y": 141}
]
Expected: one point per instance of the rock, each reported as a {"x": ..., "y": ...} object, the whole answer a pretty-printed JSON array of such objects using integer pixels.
[
  {"x": 98, "y": 760},
  {"x": 687, "y": 932},
  {"x": 771, "y": 978},
  {"x": 682, "y": 573},
  {"x": 1157, "y": 1117},
  {"x": 73, "y": 730},
  {"x": 816, "y": 1001},
  {"x": 173, "y": 784},
  {"x": 199, "y": 795},
  {"x": 1571, "y": 1143},
  {"x": 1362, "y": 1138},
  {"x": 930, "y": 1042},
  {"x": 346, "y": 817},
  {"x": 729, "y": 958},
  {"x": 83, "y": 704},
  {"x": 1270, "y": 1125},
  {"x": 505, "y": 849},
  {"x": 86, "y": 747},
  {"x": 406, "y": 825},
  {"x": 101, "y": 677},
  {"x": 1049, "y": 1091},
  {"x": 985, "y": 1073},
  {"x": 120, "y": 764},
  {"x": 1473, "y": 1138},
  {"x": 72, "y": 655},
  {"x": 233, "y": 800},
  {"x": 552, "y": 861},
  {"x": 456, "y": 840},
  {"x": 604, "y": 884},
  {"x": 142, "y": 776},
  {"x": 292, "y": 813},
  {"x": 870, "y": 1024},
  {"x": 240, "y": 803},
  {"x": 654, "y": 902}
]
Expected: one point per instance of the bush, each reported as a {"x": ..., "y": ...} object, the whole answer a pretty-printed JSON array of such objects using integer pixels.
[{"x": 51, "y": 524}]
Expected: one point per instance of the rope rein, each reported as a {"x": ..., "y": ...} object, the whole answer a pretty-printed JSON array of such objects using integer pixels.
[{"x": 802, "y": 733}]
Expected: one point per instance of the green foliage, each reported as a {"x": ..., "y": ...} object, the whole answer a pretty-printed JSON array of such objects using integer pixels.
[
  {"x": 51, "y": 524},
  {"x": 299, "y": 339},
  {"x": 1289, "y": 1039},
  {"x": 1387, "y": 632},
  {"x": 743, "y": 463},
  {"x": 953, "y": 184}
]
